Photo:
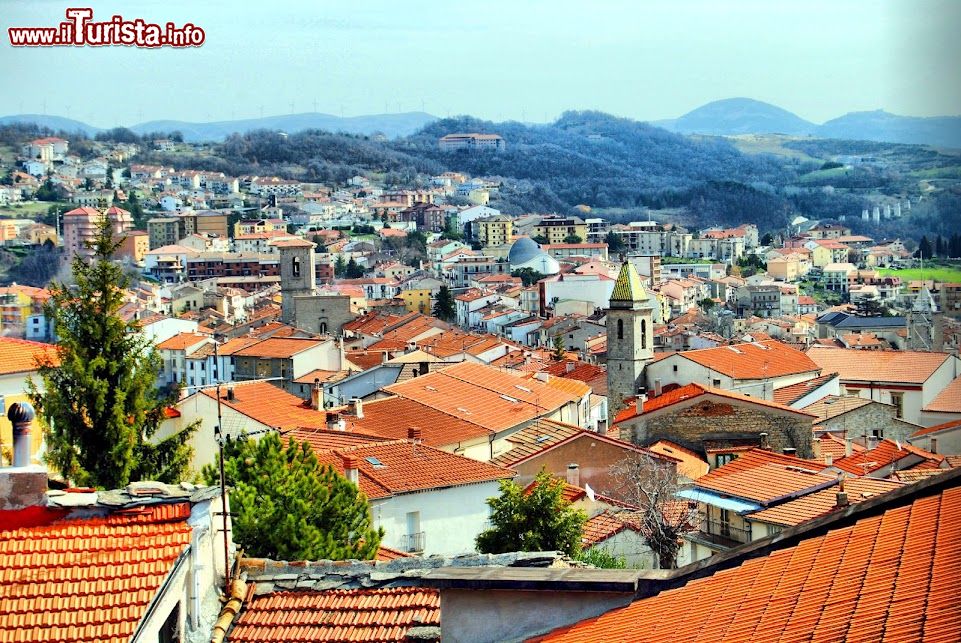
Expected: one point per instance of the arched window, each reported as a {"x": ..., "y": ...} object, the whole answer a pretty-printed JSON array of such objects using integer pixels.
[
  {"x": 643, "y": 333},
  {"x": 295, "y": 266},
  {"x": 323, "y": 328},
  {"x": 620, "y": 329}
]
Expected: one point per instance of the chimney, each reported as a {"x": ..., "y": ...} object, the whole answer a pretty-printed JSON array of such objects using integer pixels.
[
  {"x": 356, "y": 407},
  {"x": 573, "y": 475},
  {"x": 316, "y": 395},
  {"x": 21, "y": 416},
  {"x": 413, "y": 433},
  {"x": 602, "y": 426},
  {"x": 764, "y": 444},
  {"x": 351, "y": 471},
  {"x": 816, "y": 447},
  {"x": 657, "y": 387},
  {"x": 641, "y": 401},
  {"x": 848, "y": 447},
  {"x": 934, "y": 445},
  {"x": 335, "y": 422},
  {"x": 829, "y": 459},
  {"x": 384, "y": 357},
  {"x": 230, "y": 392},
  {"x": 569, "y": 367},
  {"x": 541, "y": 376},
  {"x": 841, "y": 497},
  {"x": 872, "y": 442},
  {"x": 789, "y": 451}
]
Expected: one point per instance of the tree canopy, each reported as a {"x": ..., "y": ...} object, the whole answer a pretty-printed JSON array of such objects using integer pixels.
[
  {"x": 444, "y": 306},
  {"x": 538, "y": 520},
  {"x": 99, "y": 405},
  {"x": 285, "y": 505}
]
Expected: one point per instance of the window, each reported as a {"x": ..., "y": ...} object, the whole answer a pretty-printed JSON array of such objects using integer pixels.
[
  {"x": 295, "y": 266},
  {"x": 170, "y": 630},
  {"x": 722, "y": 458},
  {"x": 675, "y": 368},
  {"x": 716, "y": 383},
  {"x": 897, "y": 400},
  {"x": 620, "y": 329},
  {"x": 643, "y": 333}
]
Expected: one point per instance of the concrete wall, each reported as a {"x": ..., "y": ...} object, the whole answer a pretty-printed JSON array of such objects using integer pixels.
[
  {"x": 500, "y": 616},
  {"x": 949, "y": 441}
]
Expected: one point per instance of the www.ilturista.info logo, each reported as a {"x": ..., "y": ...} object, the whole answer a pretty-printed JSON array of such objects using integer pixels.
[{"x": 79, "y": 30}]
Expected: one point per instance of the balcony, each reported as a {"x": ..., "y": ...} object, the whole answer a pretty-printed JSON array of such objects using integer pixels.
[
  {"x": 412, "y": 543},
  {"x": 722, "y": 534}
]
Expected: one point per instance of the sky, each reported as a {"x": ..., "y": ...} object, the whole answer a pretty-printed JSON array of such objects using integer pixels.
[{"x": 526, "y": 60}]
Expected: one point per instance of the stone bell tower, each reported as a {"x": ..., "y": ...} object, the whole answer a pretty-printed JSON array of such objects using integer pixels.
[
  {"x": 630, "y": 337},
  {"x": 297, "y": 275}
]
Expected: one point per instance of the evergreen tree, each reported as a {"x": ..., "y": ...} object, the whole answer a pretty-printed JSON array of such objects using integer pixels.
[
  {"x": 444, "y": 306},
  {"x": 100, "y": 406},
  {"x": 614, "y": 243},
  {"x": 924, "y": 248},
  {"x": 539, "y": 520},
  {"x": 573, "y": 238},
  {"x": 558, "y": 353},
  {"x": 340, "y": 266},
  {"x": 285, "y": 505}
]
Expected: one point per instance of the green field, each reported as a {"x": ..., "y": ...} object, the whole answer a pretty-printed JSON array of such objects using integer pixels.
[{"x": 938, "y": 273}]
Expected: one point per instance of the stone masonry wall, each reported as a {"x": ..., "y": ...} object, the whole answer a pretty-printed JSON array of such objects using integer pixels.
[
  {"x": 854, "y": 424},
  {"x": 706, "y": 419}
]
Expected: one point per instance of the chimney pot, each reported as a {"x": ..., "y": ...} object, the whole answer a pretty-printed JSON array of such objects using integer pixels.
[
  {"x": 789, "y": 450},
  {"x": 602, "y": 426},
  {"x": 230, "y": 393},
  {"x": 657, "y": 387},
  {"x": 357, "y": 407},
  {"x": 848, "y": 447},
  {"x": 413, "y": 432},
  {"x": 763, "y": 436},
  {"x": 351, "y": 471},
  {"x": 21, "y": 415},
  {"x": 573, "y": 475},
  {"x": 569, "y": 367},
  {"x": 334, "y": 423},
  {"x": 934, "y": 445},
  {"x": 842, "y": 499},
  {"x": 829, "y": 459}
]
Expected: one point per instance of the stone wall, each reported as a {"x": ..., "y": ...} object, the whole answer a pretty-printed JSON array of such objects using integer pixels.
[
  {"x": 857, "y": 422},
  {"x": 709, "y": 419},
  {"x": 325, "y": 315}
]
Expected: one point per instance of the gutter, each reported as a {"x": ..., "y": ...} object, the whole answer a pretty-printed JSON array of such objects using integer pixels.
[{"x": 238, "y": 593}]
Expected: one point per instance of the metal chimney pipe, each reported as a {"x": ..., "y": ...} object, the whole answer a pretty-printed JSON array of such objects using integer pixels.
[{"x": 21, "y": 415}]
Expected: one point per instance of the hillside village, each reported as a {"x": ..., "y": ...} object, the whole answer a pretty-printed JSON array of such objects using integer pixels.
[{"x": 803, "y": 399}]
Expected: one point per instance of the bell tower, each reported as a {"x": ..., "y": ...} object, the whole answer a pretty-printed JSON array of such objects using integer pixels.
[
  {"x": 630, "y": 337},
  {"x": 297, "y": 275}
]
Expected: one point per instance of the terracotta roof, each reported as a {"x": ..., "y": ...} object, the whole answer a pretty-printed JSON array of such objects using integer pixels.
[
  {"x": 365, "y": 359},
  {"x": 231, "y": 346},
  {"x": 377, "y": 615},
  {"x": 878, "y": 366},
  {"x": 326, "y": 440},
  {"x": 321, "y": 375},
  {"x": 753, "y": 361},
  {"x": 605, "y": 525},
  {"x": 832, "y": 406},
  {"x": 766, "y": 483},
  {"x": 534, "y": 438},
  {"x": 911, "y": 476},
  {"x": 278, "y": 347},
  {"x": 833, "y": 446},
  {"x": 809, "y": 507},
  {"x": 269, "y": 405},
  {"x": 386, "y": 554},
  {"x": 85, "y": 580},
  {"x": 690, "y": 464},
  {"x": 21, "y": 355},
  {"x": 182, "y": 341},
  {"x": 948, "y": 400},
  {"x": 953, "y": 424},
  {"x": 883, "y": 577},
  {"x": 787, "y": 395},
  {"x": 403, "y": 466},
  {"x": 886, "y": 453},
  {"x": 393, "y": 416},
  {"x": 692, "y": 391}
]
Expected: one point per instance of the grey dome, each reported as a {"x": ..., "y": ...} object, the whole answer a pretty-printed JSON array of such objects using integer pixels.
[{"x": 522, "y": 251}]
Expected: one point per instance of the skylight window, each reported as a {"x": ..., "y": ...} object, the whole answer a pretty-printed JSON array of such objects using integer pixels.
[
  {"x": 509, "y": 398},
  {"x": 542, "y": 438},
  {"x": 523, "y": 388},
  {"x": 377, "y": 464}
]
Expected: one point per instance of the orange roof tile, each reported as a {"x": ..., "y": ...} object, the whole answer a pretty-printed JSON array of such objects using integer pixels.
[
  {"x": 534, "y": 438},
  {"x": 182, "y": 341},
  {"x": 265, "y": 403},
  {"x": 833, "y": 446},
  {"x": 786, "y": 395},
  {"x": 886, "y": 453},
  {"x": 605, "y": 525},
  {"x": 386, "y": 554},
  {"x": 751, "y": 361},
  {"x": 889, "y": 575},
  {"x": 326, "y": 439},
  {"x": 403, "y": 466},
  {"x": 278, "y": 347},
  {"x": 766, "y": 483},
  {"x": 337, "y": 616},
  {"x": 953, "y": 424},
  {"x": 878, "y": 366},
  {"x": 816, "y": 504},
  {"x": 948, "y": 400},
  {"x": 393, "y": 416},
  {"x": 832, "y": 406},
  {"x": 690, "y": 465},
  {"x": 87, "y": 579},
  {"x": 21, "y": 355}
]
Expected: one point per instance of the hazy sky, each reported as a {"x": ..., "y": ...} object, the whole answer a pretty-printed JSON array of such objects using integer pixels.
[{"x": 498, "y": 59}]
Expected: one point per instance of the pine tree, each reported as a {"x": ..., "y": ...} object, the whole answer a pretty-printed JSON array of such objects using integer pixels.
[
  {"x": 924, "y": 248},
  {"x": 539, "y": 520},
  {"x": 287, "y": 506},
  {"x": 100, "y": 407},
  {"x": 444, "y": 306},
  {"x": 558, "y": 353}
]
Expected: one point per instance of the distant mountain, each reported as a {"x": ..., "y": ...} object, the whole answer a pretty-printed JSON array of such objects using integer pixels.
[
  {"x": 738, "y": 116},
  {"x": 53, "y": 122},
  {"x": 391, "y": 125},
  {"x": 943, "y": 131}
]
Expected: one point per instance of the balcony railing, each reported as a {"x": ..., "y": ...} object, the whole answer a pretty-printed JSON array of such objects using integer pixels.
[
  {"x": 413, "y": 542},
  {"x": 723, "y": 534}
]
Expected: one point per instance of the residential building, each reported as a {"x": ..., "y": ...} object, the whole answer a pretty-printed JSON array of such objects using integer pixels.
[
  {"x": 472, "y": 142},
  {"x": 556, "y": 229},
  {"x": 493, "y": 231},
  {"x": 80, "y": 228}
]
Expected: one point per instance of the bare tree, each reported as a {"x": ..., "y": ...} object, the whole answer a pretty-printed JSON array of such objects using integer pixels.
[{"x": 651, "y": 485}]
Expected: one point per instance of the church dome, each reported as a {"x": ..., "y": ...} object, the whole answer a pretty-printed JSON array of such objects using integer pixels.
[{"x": 522, "y": 251}]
